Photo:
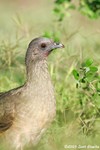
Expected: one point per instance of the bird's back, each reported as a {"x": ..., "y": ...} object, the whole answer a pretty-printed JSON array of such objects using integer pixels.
[{"x": 7, "y": 109}]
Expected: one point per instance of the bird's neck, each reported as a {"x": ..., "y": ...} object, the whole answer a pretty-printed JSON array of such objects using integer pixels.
[{"x": 37, "y": 71}]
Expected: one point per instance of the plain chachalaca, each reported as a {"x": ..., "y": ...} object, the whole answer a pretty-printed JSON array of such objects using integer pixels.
[{"x": 26, "y": 112}]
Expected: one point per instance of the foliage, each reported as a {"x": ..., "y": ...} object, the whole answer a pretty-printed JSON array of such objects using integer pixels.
[
  {"x": 11, "y": 64},
  {"x": 86, "y": 76},
  {"x": 88, "y": 82},
  {"x": 90, "y": 8}
]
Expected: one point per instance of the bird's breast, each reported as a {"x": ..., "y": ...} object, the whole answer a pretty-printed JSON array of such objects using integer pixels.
[{"x": 37, "y": 108}]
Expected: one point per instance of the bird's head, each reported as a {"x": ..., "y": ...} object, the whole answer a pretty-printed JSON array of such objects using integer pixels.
[{"x": 40, "y": 48}]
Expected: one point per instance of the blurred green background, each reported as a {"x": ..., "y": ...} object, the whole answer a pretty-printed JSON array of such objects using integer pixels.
[{"x": 78, "y": 115}]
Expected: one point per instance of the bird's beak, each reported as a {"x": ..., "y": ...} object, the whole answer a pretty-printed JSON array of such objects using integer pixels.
[{"x": 57, "y": 45}]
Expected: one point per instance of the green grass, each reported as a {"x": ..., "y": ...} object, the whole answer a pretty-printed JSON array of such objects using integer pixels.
[{"x": 19, "y": 26}]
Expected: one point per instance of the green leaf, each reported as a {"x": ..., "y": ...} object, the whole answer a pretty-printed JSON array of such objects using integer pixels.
[
  {"x": 75, "y": 74},
  {"x": 98, "y": 86},
  {"x": 56, "y": 10},
  {"x": 47, "y": 34},
  {"x": 83, "y": 80},
  {"x": 61, "y": 16},
  {"x": 62, "y": 1},
  {"x": 90, "y": 76},
  {"x": 88, "y": 62},
  {"x": 93, "y": 68},
  {"x": 77, "y": 85}
]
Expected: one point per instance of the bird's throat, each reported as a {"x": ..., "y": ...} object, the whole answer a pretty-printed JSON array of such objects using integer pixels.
[{"x": 37, "y": 71}]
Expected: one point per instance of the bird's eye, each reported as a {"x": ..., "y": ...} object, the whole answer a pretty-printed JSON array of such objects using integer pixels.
[{"x": 43, "y": 45}]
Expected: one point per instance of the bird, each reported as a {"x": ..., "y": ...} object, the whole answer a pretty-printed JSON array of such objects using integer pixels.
[{"x": 27, "y": 111}]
